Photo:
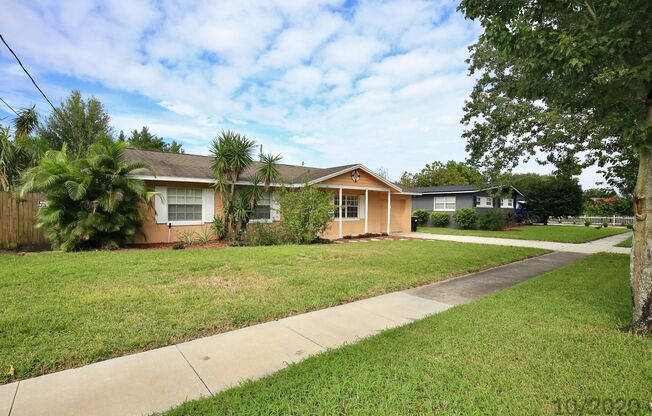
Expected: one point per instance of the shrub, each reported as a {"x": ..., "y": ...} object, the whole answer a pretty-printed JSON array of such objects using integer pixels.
[
  {"x": 510, "y": 218},
  {"x": 186, "y": 237},
  {"x": 12, "y": 246},
  {"x": 306, "y": 212},
  {"x": 92, "y": 202},
  {"x": 238, "y": 238},
  {"x": 492, "y": 220},
  {"x": 465, "y": 217},
  {"x": 629, "y": 226},
  {"x": 422, "y": 216},
  {"x": 178, "y": 246},
  {"x": 264, "y": 235},
  {"x": 605, "y": 224},
  {"x": 439, "y": 219},
  {"x": 587, "y": 223}
]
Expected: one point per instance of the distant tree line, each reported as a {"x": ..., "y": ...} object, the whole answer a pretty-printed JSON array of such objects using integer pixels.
[{"x": 77, "y": 123}]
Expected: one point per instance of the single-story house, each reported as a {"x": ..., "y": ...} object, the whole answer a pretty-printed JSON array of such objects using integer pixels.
[
  {"x": 448, "y": 198},
  {"x": 187, "y": 200}
]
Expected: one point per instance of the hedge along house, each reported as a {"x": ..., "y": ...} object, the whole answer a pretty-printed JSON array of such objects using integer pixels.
[
  {"x": 448, "y": 198},
  {"x": 188, "y": 202}
]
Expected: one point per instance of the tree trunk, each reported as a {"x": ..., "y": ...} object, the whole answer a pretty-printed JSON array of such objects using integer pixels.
[{"x": 641, "y": 259}]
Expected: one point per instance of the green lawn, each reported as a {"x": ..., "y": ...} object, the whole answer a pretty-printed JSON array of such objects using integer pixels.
[
  {"x": 516, "y": 352},
  {"x": 562, "y": 234},
  {"x": 63, "y": 310},
  {"x": 626, "y": 243}
]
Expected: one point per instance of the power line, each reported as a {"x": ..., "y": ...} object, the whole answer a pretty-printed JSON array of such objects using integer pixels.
[
  {"x": 27, "y": 72},
  {"x": 9, "y": 106}
]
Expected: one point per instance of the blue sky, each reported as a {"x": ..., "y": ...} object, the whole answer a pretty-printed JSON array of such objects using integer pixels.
[{"x": 321, "y": 82}]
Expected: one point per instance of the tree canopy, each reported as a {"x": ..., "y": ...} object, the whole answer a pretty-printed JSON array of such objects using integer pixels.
[
  {"x": 145, "y": 140},
  {"x": 554, "y": 197},
  {"x": 78, "y": 123},
  {"x": 560, "y": 79},
  {"x": 438, "y": 173}
]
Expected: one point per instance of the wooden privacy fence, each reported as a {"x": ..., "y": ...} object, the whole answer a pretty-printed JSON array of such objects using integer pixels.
[{"x": 18, "y": 220}]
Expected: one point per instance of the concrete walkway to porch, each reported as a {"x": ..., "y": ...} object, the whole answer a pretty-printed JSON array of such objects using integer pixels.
[
  {"x": 159, "y": 379},
  {"x": 597, "y": 246}
]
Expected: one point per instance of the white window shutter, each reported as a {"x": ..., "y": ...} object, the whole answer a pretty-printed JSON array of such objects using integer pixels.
[
  {"x": 361, "y": 206},
  {"x": 275, "y": 208},
  {"x": 161, "y": 204},
  {"x": 208, "y": 205}
]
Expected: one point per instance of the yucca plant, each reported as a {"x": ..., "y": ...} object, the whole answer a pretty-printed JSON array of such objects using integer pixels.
[
  {"x": 9, "y": 159},
  {"x": 269, "y": 170},
  {"x": 26, "y": 122},
  {"x": 19, "y": 151},
  {"x": 91, "y": 201}
]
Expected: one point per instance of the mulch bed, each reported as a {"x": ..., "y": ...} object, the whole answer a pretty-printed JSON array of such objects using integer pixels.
[
  {"x": 375, "y": 238},
  {"x": 157, "y": 246}
]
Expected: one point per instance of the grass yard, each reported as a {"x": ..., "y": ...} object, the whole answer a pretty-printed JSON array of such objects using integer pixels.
[
  {"x": 535, "y": 348},
  {"x": 562, "y": 234},
  {"x": 626, "y": 243},
  {"x": 61, "y": 310}
]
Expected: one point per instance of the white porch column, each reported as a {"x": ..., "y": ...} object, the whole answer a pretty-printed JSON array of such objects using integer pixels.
[
  {"x": 366, "y": 211},
  {"x": 340, "y": 208},
  {"x": 389, "y": 210}
]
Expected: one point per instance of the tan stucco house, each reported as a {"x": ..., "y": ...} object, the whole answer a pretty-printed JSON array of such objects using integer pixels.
[{"x": 187, "y": 201}]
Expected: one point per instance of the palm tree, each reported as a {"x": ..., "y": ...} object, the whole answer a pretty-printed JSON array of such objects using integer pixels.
[
  {"x": 269, "y": 170},
  {"x": 232, "y": 155},
  {"x": 92, "y": 201}
]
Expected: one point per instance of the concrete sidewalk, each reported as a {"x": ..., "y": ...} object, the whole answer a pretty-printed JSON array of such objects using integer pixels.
[
  {"x": 159, "y": 379},
  {"x": 597, "y": 246}
]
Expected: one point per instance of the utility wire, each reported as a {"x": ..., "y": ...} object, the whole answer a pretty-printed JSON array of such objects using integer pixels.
[
  {"x": 27, "y": 72},
  {"x": 9, "y": 106}
]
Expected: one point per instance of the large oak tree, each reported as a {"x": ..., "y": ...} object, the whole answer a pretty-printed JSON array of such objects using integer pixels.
[{"x": 571, "y": 80}]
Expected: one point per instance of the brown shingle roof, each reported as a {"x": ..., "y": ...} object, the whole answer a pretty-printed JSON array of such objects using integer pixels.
[{"x": 197, "y": 166}]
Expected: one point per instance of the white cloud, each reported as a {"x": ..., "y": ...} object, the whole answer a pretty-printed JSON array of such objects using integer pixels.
[
  {"x": 323, "y": 82},
  {"x": 351, "y": 52}
]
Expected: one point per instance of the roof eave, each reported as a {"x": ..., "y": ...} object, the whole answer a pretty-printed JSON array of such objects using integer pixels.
[{"x": 349, "y": 169}]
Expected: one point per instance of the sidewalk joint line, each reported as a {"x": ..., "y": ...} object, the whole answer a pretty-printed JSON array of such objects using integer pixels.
[
  {"x": 193, "y": 369},
  {"x": 301, "y": 335},
  {"x": 11, "y": 408}
]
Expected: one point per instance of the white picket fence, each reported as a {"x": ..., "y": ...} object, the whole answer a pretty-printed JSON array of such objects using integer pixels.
[{"x": 611, "y": 220}]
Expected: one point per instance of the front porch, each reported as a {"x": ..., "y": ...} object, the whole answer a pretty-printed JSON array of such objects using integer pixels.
[{"x": 365, "y": 210}]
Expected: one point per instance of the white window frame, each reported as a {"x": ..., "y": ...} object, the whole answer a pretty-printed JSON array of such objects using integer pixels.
[
  {"x": 507, "y": 203},
  {"x": 484, "y": 202},
  {"x": 446, "y": 203},
  {"x": 269, "y": 198},
  {"x": 185, "y": 222},
  {"x": 345, "y": 216}
]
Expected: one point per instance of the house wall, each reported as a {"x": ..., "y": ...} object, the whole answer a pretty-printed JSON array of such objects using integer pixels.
[
  {"x": 159, "y": 233},
  {"x": 463, "y": 200},
  {"x": 401, "y": 213},
  {"x": 153, "y": 232}
]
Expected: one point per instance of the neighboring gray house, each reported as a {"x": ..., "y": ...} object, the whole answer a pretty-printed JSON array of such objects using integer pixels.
[{"x": 448, "y": 198}]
